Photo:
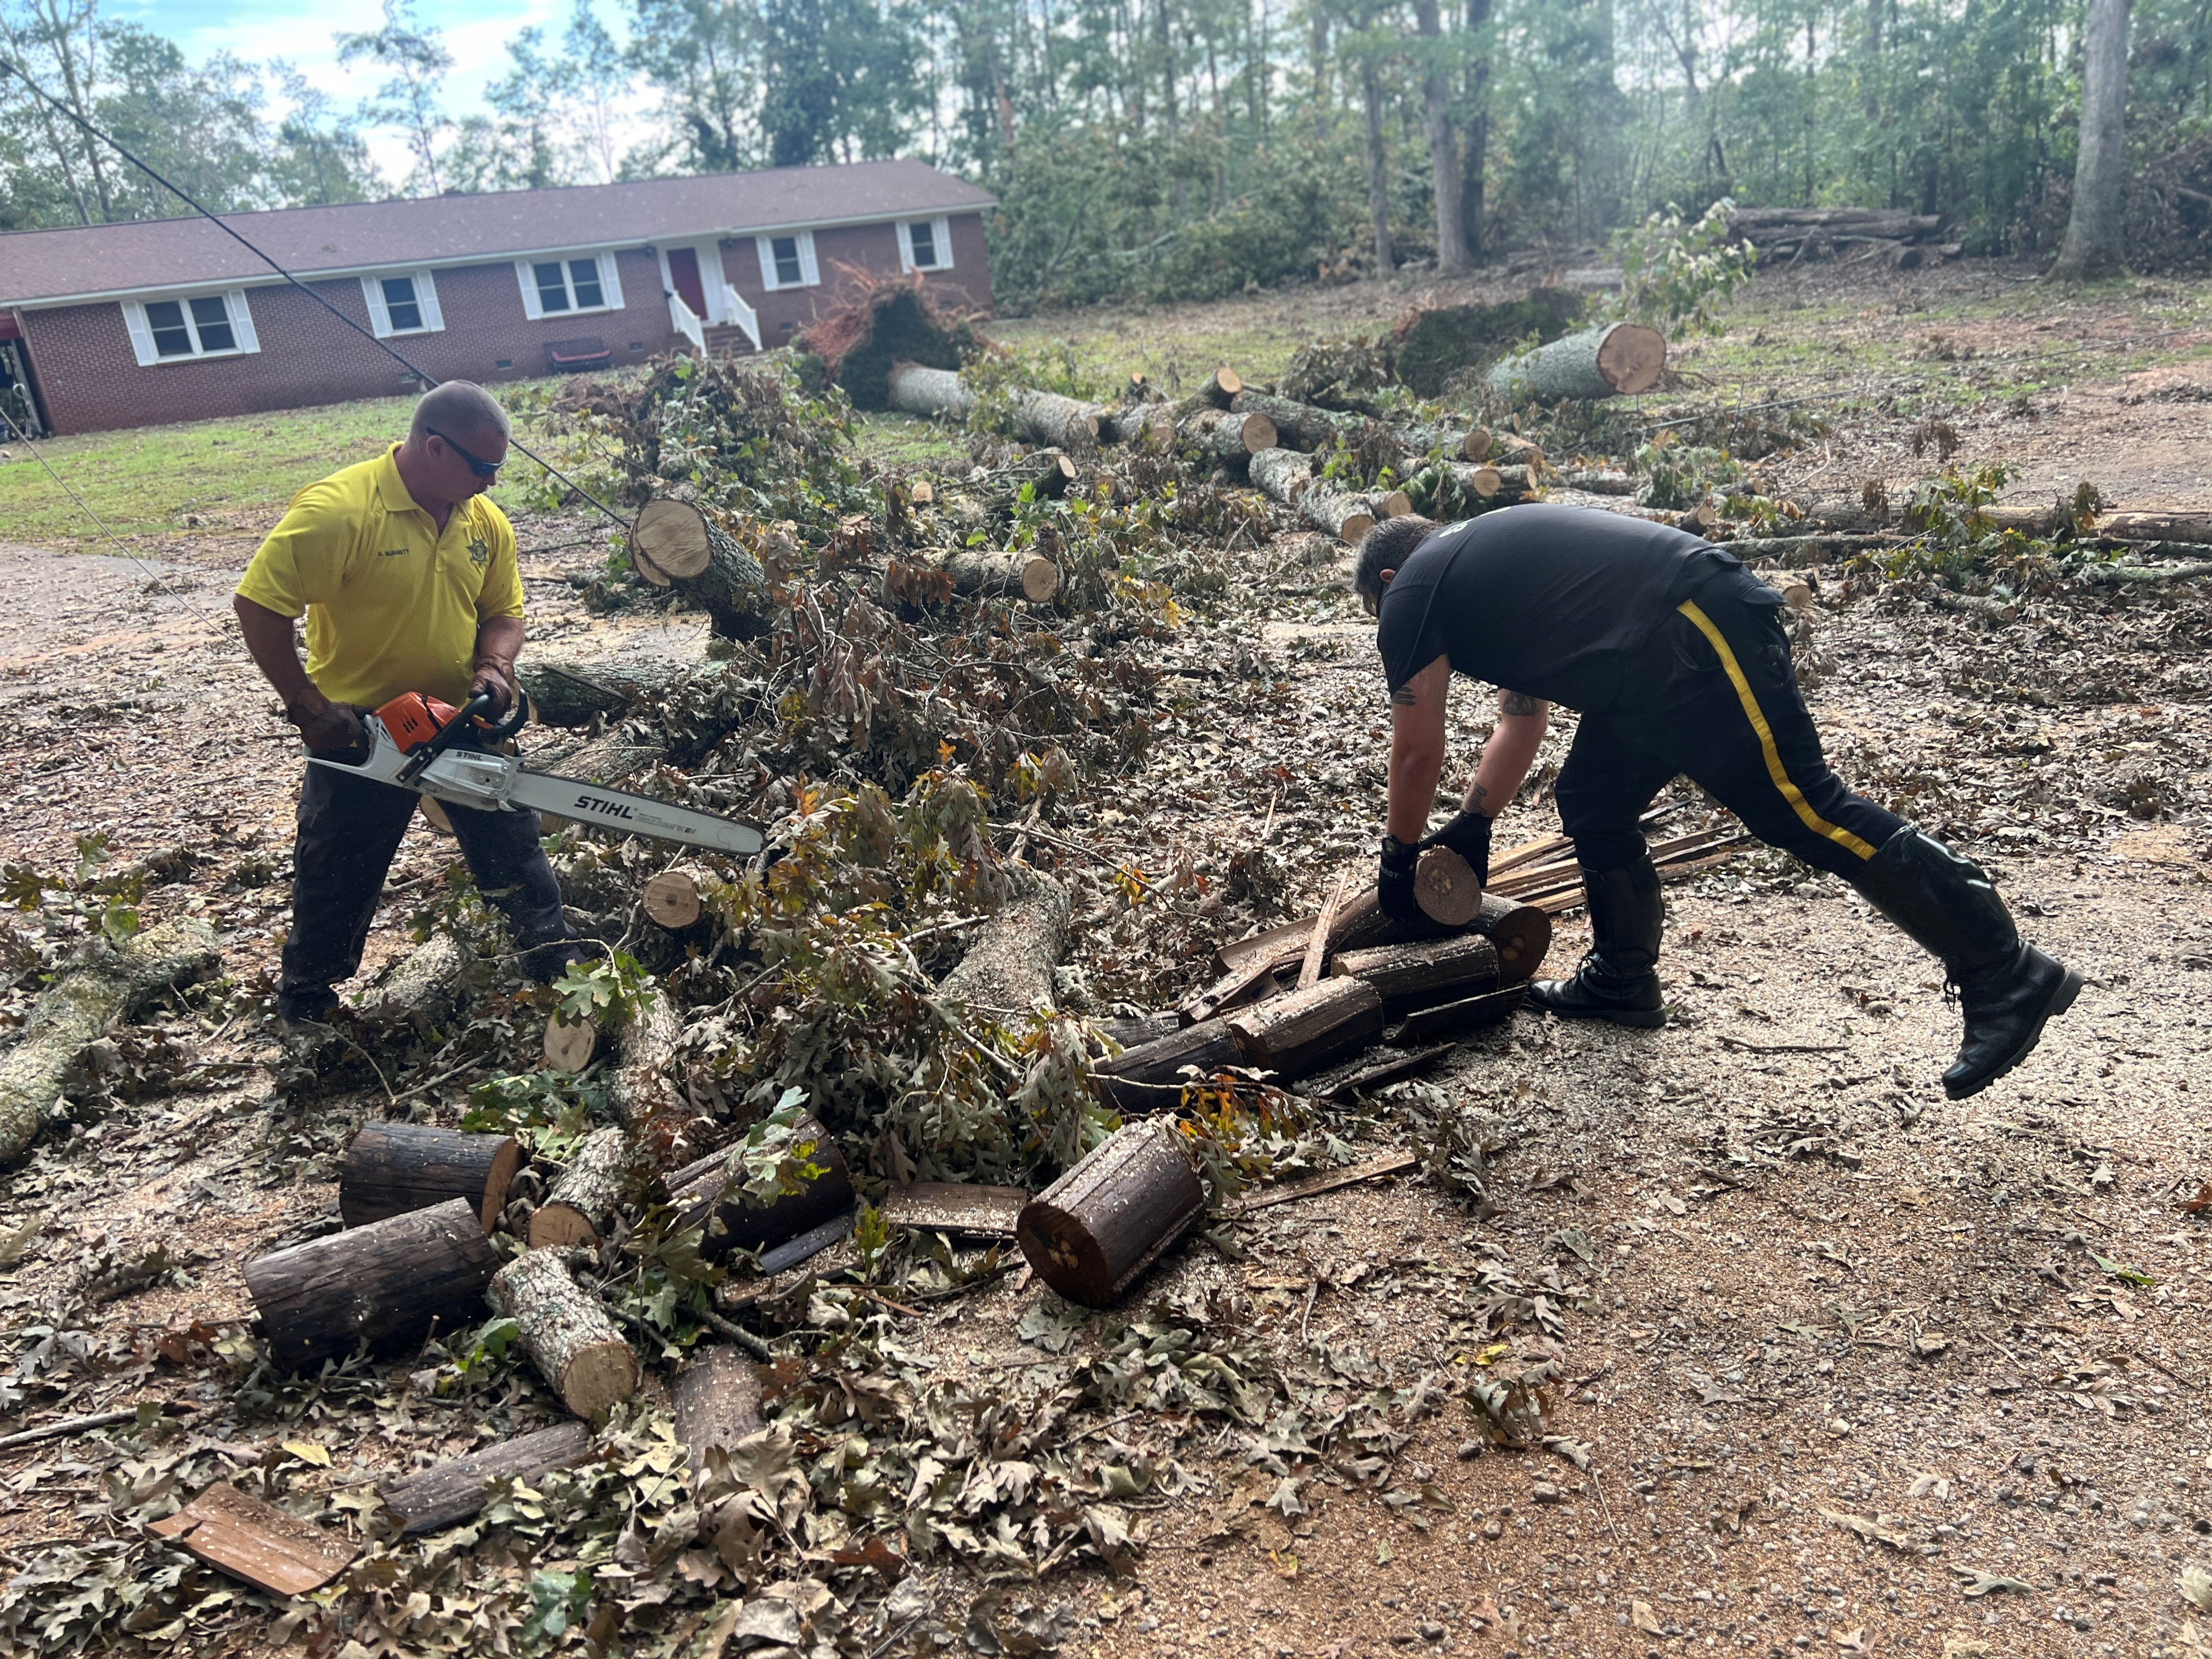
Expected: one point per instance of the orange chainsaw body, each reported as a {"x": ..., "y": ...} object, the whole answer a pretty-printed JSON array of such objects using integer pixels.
[{"x": 413, "y": 719}]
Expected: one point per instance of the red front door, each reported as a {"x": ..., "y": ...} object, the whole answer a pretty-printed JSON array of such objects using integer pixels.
[{"x": 683, "y": 272}]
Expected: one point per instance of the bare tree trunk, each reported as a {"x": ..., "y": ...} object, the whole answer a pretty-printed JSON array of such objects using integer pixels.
[
  {"x": 1443, "y": 143},
  {"x": 2092, "y": 234},
  {"x": 1476, "y": 156},
  {"x": 1378, "y": 192}
]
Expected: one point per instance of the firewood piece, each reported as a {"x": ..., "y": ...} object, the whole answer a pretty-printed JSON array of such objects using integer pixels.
[
  {"x": 1521, "y": 933},
  {"x": 1149, "y": 1077},
  {"x": 425, "y": 990},
  {"x": 1317, "y": 941},
  {"x": 641, "y": 1087},
  {"x": 1046, "y": 418},
  {"x": 1445, "y": 888},
  {"x": 1451, "y": 1019},
  {"x": 1372, "y": 1169},
  {"x": 995, "y": 575},
  {"x": 80, "y": 1005},
  {"x": 704, "y": 562},
  {"x": 1616, "y": 359},
  {"x": 1128, "y": 1034},
  {"x": 579, "y": 1205},
  {"x": 707, "y": 1196},
  {"x": 1222, "y": 387},
  {"x": 1300, "y": 426},
  {"x": 566, "y": 692},
  {"x": 1092, "y": 1231},
  {"x": 1456, "y": 443},
  {"x": 1347, "y": 517},
  {"x": 1600, "y": 481},
  {"x": 1511, "y": 449},
  {"x": 568, "y": 1043},
  {"x": 1231, "y": 439},
  {"x": 1236, "y": 987},
  {"x": 1293, "y": 1034},
  {"x": 1410, "y": 976},
  {"x": 916, "y": 390},
  {"x": 956, "y": 1206},
  {"x": 672, "y": 899},
  {"x": 2161, "y": 526},
  {"x": 809, "y": 1244},
  {"x": 1373, "y": 1070},
  {"x": 392, "y": 1167},
  {"x": 1008, "y": 970},
  {"x": 566, "y": 1332},
  {"x": 452, "y": 1492},
  {"x": 718, "y": 1402},
  {"x": 1048, "y": 472},
  {"x": 268, "y": 1548},
  {"x": 387, "y": 1284}
]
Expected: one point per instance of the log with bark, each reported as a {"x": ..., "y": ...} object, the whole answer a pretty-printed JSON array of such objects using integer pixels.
[
  {"x": 389, "y": 1284},
  {"x": 709, "y": 1194},
  {"x": 1222, "y": 387},
  {"x": 1410, "y": 976},
  {"x": 84, "y": 1000},
  {"x": 425, "y": 989},
  {"x": 450, "y": 1492},
  {"x": 1231, "y": 439},
  {"x": 1293, "y": 1034},
  {"x": 602, "y": 1172},
  {"x": 1619, "y": 359},
  {"x": 916, "y": 390},
  {"x": 570, "y": 691},
  {"x": 718, "y": 1403},
  {"x": 1521, "y": 932},
  {"x": 1066, "y": 423},
  {"x": 1446, "y": 1020},
  {"x": 392, "y": 1167},
  {"x": 1151, "y": 1076},
  {"x": 1008, "y": 973},
  {"x": 698, "y": 558},
  {"x": 1302, "y": 426},
  {"x": 1047, "y": 473},
  {"x": 1092, "y": 1231},
  {"x": 994, "y": 574},
  {"x": 566, "y": 1332},
  {"x": 2164, "y": 525},
  {"x": 1455, "y": 443},
  {"x": 641, "y": 1087},
  {"x": 611, "y": 760}
]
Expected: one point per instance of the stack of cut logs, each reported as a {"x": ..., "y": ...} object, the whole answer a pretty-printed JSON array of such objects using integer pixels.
[{"x": 1795, "y": 233}]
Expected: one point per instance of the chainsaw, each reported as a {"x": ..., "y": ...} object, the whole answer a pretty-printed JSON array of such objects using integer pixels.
[{"x": 412, "y": 745}]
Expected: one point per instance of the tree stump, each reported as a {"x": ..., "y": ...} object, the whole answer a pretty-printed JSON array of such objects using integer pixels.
[
  {"x": 707, "y": 1197},
  {"x": 601, "y": 1172},
  {"x": 390, "y": 1169},
  {"x": 1092, "y": 1231},
  {"x": 566, "y": 1332},
  {"x": 388, "y": 1285},
  {"x": 452, "y": 1492},
  {"x": 1293, "y": 1034},
  {"x": 718, "y": 1402}
]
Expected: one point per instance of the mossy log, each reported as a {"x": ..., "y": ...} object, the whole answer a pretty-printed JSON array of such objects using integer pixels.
[
  {"x": 566, "y": 1332},
  {"x": 81, "y": 1003},
  {"x": 392, "y": 1167},
  {"x": 1008, "y": 973},
  {"x": 1615, "y": 360},
  {"x": 570, "y": 691}
]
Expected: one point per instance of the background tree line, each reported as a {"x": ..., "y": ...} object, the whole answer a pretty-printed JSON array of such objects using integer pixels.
[{"x": 1156, "y": 149}]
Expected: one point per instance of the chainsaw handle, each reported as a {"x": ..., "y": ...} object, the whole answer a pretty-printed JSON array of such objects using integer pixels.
[{"x": 518, "y": 716}]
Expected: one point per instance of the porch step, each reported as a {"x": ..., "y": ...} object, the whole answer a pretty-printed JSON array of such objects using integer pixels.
[{"x": 727, "y": 340}]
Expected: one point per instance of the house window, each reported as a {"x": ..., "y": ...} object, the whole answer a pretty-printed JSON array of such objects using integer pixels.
[
  {"x": 179, "y": 330},
  {"x": 558, "y": 287},
  {"x": 787, "y": 260},
  {"x": 403, "y": 302},
  {"x": 926, "y": 245}
]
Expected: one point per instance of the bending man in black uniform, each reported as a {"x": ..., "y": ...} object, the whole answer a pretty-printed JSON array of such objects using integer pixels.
[{"x": 1675, "y": 658}]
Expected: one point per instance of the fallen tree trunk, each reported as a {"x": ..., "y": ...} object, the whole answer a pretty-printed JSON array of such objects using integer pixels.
[
  {"x": 1092, "y": 1231},
  {"x": 1046, "y": 418},
  {"x": 1008, "y": 973},
  {"x": 1410, "y": 976},
  {"x": 981, "y": 570},
  {"x": 600, "y": 1174},
  {"x": 566, "y": 1332},
  {"x": 641, "y": 1087},
  {"x": 718, "y": 1403},
  {"x": 1619, "y": 359},
  {"x": 1231, "y": 439},
  {"x": 2117, "y": 575},
  {"x": 565, "y": 692},
  {"x": 709, "y": 1194},
  {"x": 1302, "y": 426},
  {"x": 1293, "y": 1034},
  {"x": 930, "y": 391},
  {"x": 449, "y": 1493},
  {"x": 389, "y": 1284},
  {"x": 424, "y": 990},
  {"x": 689, "y": 552},
  {"x": 80, "y": 1005},
  {"x": 390, "y": 1169}
]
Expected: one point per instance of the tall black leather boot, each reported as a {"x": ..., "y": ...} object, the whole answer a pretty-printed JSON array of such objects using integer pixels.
[
  {"x": 1616, "y": 980},
  {"x": 2007, "y": 988}
]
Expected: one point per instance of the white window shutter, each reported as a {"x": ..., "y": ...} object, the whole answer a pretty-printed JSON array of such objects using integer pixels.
[
  {"x": 528, "y": 278},
  {"x": 426, "y": 297},
  {"x": 142, "y": 334},
  {"x": 611, "y": 282},
  {"x": 809, "y": 272},
  {"x": 906, "y": 245},
  {"x": 942, "y": 230},
  {"x": 241, "y": 320},
  {"x": 765, "y": 246},
  {"x": 379, "y": 315}
]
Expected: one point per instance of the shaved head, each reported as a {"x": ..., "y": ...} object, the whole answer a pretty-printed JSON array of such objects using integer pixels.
[{"x": 459, "y": 409}]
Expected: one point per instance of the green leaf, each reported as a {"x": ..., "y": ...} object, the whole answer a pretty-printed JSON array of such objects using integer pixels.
[{"x": 2121, "y": 1270}]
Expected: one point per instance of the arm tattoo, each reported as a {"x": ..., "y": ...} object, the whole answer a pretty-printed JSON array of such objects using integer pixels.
[
  {"x": 1476, "y": 795},
  {"x": 1519, "y": 703},
  {"x": 1403, "y": 696}
]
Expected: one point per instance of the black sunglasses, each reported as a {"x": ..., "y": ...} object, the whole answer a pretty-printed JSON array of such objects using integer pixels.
[{"x": 482, "y": 469}]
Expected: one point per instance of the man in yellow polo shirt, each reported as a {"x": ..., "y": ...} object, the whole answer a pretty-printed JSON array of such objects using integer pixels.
[{"x": 407, "y": 576}]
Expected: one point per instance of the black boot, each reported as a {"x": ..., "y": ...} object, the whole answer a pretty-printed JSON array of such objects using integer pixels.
[
  {"x": 1616, "y": 980},
  {"x": 2007, "y": 989}
]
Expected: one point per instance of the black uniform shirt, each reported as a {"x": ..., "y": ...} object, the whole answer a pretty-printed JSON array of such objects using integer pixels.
[{"x": 1548, "y": 601}]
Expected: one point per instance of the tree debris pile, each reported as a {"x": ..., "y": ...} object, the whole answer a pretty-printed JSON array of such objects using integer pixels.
[{"x": 876, "y": 321}]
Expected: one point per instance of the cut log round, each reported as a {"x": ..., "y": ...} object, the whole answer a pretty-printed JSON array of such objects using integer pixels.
[
  {"x": 1221, "y": 386},
  {"x": 718, "y": 1402},
  {"x": 449, "y": 1493},
  {"x": 1347, "y": 518},
  {"x": 1093, "y": 1230},
  {"x": 641, "y": 1087},
  {"x": 568, "y": 1043},
  {"x": 425, "y": 989},
  {"x": 1618, "y": 359},
  {"x": 1300, "y": 426},
  {"x": 1048, "y": 472},
  {"x": 566, "y": 1332},
  {"x": 707, "y": 1197},
  {"x": 392, "y": 1167},
  {"x": 702, "y": 561},
  {"x": 1231, "y": 439},
  {"x": 388, "y": 1285},
  {"x": 930, "y": 391},
  {"x": 1008, "y": 973},
  {"x": 80, "y": 1005},
  {"x": 1445, "y": 888},
  {"x": 1150, "y": 1077},
  {"x": 579, "y": 1205},
  {"x": 1293, "y": 1034},
  {"x": 1410, "y": 976},
  {"x": 672, "y": 899},
  {"x": 1046, "y": 418},
  {"x": 982, "y": 570}
]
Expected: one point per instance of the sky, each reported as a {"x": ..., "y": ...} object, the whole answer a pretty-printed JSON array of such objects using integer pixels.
[{"x": 263, "y": 29}]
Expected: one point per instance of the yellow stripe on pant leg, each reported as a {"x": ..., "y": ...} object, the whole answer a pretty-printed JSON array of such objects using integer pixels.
[{"x": 1757, "y": 716}]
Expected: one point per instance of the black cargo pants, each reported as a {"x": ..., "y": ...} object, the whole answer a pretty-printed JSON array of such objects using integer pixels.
[
  {"x": 349, "y": 829},
  {"x": 1714, "y": 697}
]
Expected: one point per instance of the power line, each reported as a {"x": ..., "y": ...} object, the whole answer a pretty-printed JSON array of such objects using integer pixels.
[
  {"x": 153, "y": 576},
  {"x": 384, "y": 346}
]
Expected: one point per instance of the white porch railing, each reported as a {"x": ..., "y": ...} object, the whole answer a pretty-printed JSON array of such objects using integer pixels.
[
  {"x": 685, "y": 321},
  {"x": 735, "y": 310}
]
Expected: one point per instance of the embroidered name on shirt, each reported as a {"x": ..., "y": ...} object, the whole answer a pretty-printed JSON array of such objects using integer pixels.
[{"x": 393, "y": 553}]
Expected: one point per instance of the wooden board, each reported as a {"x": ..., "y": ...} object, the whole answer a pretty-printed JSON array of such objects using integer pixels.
[
  {"x": 1371, "y": 1070},
  {"x": 1372, "y": 1169},
  {"x": 257, "y": 1542},
  {"x": 955, "y": 1207},
  {"x": 1450, "y": 1018}
]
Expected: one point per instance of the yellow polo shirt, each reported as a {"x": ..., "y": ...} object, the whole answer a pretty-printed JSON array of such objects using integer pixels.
[{"x": 391, "y": 604}]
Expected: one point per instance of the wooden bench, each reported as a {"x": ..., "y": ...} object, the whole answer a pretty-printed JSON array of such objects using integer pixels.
[{"x": 567, "y": 356}]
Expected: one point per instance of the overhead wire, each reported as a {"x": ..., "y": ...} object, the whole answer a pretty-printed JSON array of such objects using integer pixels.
[
  {"x": 21, "y": 434},
  {"x": 185, "y": 197}
]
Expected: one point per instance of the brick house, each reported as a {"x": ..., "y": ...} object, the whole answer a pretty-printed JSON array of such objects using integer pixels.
[{"x": 170, "y": 319}]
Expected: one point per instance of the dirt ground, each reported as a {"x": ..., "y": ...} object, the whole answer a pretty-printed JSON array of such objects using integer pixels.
[{"x": 1852, "y": 1369}]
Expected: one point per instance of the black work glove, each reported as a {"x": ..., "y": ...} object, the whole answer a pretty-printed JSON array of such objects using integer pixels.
[
  {"x": 1393, "y": 879},
  {"x": 325, "y": 725},
  {"x": 1468, "y": 834}
]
